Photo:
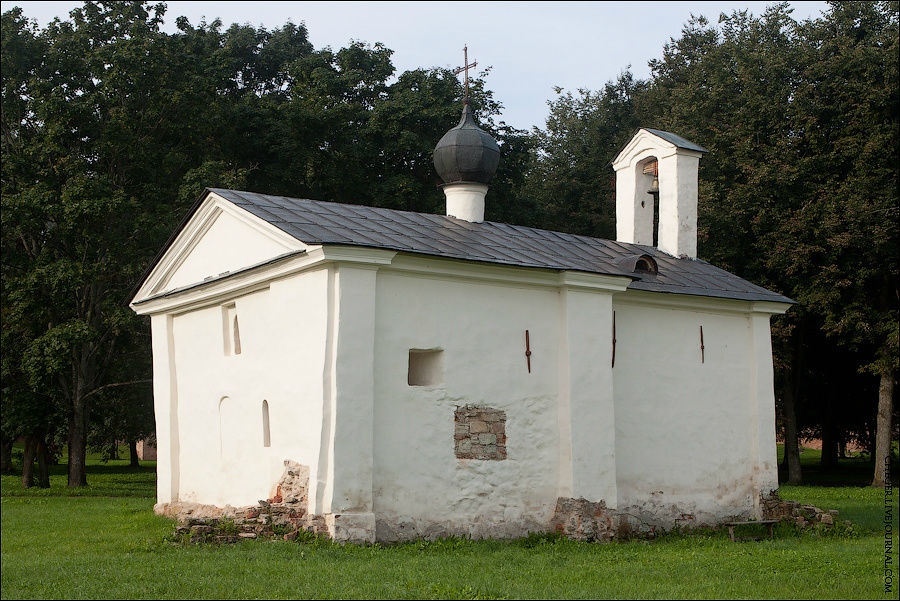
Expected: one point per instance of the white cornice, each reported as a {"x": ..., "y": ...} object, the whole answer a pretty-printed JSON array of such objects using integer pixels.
[
  {"x": 593, "y": 281},
  {"x": 770, "y": 307},
  {"x": 708, "y": 304},
  {"x": 356, "y": 254},
  {"x": 430, "y": 267}
]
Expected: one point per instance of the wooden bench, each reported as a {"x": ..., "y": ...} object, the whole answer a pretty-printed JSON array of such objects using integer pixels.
[{"x": 769, "y": 524}]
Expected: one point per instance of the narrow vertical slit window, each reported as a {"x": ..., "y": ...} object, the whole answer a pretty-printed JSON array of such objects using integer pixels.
[
  {"x": 267, "y": 441},
  {"x": 236, "y": 336},
  {"x": 231, "y": 331}
]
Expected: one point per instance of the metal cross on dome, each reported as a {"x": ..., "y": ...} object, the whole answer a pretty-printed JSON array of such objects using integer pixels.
[{"x": 465, "y": 68}]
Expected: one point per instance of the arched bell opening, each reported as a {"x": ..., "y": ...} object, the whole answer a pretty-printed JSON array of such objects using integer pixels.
[{"x": 647, "y": 186}]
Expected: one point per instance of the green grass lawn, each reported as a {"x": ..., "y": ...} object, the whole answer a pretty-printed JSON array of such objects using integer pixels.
[{"x": 101, "y": 543}]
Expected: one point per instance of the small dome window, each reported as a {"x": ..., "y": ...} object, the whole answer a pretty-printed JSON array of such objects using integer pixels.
[{"x": 645, "y": 264}]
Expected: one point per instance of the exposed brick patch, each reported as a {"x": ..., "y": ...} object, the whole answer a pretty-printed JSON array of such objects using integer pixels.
[
  {"x": 479, "y": 433},
  {"x": 581, "y": 519},
  {"x": 293, "y": 487}
]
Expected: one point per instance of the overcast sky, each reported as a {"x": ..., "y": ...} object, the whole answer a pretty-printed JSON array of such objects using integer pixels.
[{"x": 531, "y": 46}]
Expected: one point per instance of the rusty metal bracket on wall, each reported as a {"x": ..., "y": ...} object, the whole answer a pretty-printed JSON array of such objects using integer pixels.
[
  {"x": 528, "y": 350},
  {"x": 614, "y": 341},
  {"x": 702, "y": 347}
]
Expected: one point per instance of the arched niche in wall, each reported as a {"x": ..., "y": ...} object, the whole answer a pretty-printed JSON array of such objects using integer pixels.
[
  {"x": 239, "y": 424},
  {"x": 223, "y": 419}
]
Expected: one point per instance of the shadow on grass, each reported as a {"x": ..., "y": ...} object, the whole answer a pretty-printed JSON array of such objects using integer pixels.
[{"x": 114, "y": 478}]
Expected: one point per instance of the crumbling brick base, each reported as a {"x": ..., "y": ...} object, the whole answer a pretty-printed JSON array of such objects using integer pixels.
[
  {"x": 803, "y": 516},
  {"x": 282, "y": 515},
  {"x": 265, "y": 521},
  {"x": 584, "y": 520}
]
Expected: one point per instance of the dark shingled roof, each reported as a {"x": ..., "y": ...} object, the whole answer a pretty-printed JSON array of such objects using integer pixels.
[
  {"x": 676, "y": 140},
  {"x": 318, "y": 222}
]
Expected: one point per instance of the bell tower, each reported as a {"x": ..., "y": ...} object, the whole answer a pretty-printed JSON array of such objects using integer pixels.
[{"x": 656, "y": 192}]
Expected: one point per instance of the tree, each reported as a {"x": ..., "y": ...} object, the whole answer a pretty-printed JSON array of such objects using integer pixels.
[
  {"x": 111, "y": 130},
  {"x": 848, "y": 107},
  {"x": 798, "y": 192},
  {"x": 26, "y": 412},
  {"x": 90, "y": 150}
]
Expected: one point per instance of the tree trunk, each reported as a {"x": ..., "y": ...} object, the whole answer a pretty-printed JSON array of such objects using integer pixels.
[
  {"x": 133, "y": 454},
  {"x": 791, "y": 442},
  {"x": 6, "y": 459},
  {"x": 883, "y": 430},
  {"x": 43, "y": 457},
  {"x": 28, "y": 462},
  {"x": 77, "y": 444}
]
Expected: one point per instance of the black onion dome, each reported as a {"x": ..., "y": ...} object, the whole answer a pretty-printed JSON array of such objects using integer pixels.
[{"x": 466, "y": 153}]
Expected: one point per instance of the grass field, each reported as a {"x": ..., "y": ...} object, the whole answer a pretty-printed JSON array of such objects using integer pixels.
[{"x": 106, "y": 542}]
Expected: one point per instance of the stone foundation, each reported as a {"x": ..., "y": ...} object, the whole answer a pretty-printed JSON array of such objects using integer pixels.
[
  {"x": 393, "y": 529},
  {"x": 584, "y": 520},
  {"x": 284, "y": 515},
  {"x": 774, "y": 507},
  {"x": 578, "y": 519}
]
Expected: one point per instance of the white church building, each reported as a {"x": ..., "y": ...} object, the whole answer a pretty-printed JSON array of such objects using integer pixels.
[{"x": 445, "y": 375}]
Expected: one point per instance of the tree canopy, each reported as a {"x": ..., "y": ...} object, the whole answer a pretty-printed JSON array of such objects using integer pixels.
[
  {"x": 112, "y": 128},
  {"x": 798, "y": 192}
]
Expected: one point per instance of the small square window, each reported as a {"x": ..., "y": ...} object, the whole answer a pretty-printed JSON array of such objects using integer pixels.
[{"x": 426, "y": 367}]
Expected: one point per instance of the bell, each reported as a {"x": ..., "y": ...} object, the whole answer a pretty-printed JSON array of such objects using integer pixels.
[{"x": 654, "y": 187}]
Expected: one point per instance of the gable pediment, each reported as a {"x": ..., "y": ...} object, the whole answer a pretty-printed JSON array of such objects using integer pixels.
[
  {"x": 643, "y": 144},
  {"x": 219, "y": 238}
]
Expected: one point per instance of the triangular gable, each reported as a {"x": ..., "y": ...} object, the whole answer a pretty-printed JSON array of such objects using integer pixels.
[
  {"x": 646, "y": 141},
  {"x": 218, "y": 238},
  {"x": 640, "y": 144}
]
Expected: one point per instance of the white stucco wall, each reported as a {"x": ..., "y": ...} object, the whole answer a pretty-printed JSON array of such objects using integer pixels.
[
  {"x": 692, "y": 434},
  {"x": 480, "y": 327},
  {"x": 218, "y": 450}
]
